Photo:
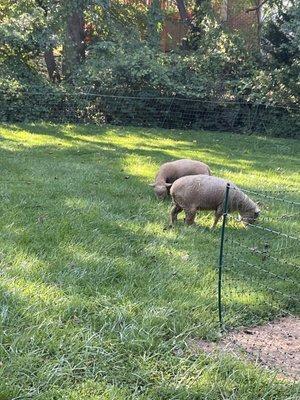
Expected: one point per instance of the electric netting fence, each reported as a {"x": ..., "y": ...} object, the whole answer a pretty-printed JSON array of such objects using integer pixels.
[
  {"x": 148, "y": 111},
  {"x": 260, "y": 266}
]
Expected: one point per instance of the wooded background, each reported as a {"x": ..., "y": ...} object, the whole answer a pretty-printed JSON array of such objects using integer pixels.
[{"x": 242, "y": 51}]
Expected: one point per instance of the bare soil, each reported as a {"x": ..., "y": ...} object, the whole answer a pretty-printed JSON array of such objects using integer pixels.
[{"x": 275, "y": 346}]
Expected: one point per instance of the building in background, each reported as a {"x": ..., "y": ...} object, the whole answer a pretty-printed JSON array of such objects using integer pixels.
[{"x": 233, "y": 14}]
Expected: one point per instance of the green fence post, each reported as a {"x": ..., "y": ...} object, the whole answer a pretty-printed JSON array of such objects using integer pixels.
[{"x": 221, "y": 255}]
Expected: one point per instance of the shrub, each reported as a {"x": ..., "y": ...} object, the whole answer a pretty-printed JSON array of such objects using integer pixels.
[{"x": 26, "y": 96}]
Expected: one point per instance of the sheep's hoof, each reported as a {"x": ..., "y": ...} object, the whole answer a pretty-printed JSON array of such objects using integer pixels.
[
  {"x": 167, "y": 227},
  {"x": 189, "y": 223}
]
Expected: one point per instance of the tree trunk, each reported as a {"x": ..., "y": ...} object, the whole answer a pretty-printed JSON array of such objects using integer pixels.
[
  {"x": 259, "y": 22},
  {"x": 75, "y": 31},
  {"x": 74, "y": 46},
  {"x": 182, "y": 11},
  {"x": 51, "y": 65},
  {"x": 154, "y": 19}
]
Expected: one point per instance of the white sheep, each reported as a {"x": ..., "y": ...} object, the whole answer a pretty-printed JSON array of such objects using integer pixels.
[
  {"x": 201, "y": 192},
  {"x": 170, "y": 171}
]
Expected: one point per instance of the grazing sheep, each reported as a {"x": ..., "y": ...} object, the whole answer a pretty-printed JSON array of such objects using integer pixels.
[
  {"x": 201, "y": 192},
  {"x": 170, "y": 171}
]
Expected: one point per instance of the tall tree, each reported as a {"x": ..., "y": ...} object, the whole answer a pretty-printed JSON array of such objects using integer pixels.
[
  {"x": 155, "y": 20},
  {"x": 74, "y": 45},
  {"x": 52, "y": 68}
]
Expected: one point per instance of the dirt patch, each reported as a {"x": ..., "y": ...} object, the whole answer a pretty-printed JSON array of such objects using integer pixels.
[{"x": 275, "y": 346}]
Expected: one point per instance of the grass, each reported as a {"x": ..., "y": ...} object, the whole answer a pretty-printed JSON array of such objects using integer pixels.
[{"x": 98, "y": 299}]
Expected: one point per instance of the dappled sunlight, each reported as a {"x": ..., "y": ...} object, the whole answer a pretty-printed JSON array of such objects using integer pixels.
[
  {"x": 78, "y": 203},
  {"x": 9, "y": 146},
  {"x": 20, "y": 262},
  {"x": 246, "y": 297},
  {"x": 159, "y": 230},
  {"x": 139, "y": 166},
  {"x": 130, "y": 141},
  {"x": 80, "y": 253},
  {"x": 225, "y": 160},
  {"x": 12, "y": 230},
  {"x": 34, "y": 292},
  {"x": 24, "y": 138}
]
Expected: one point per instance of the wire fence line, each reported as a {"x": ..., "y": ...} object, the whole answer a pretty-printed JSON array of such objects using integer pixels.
[
  {"x": 145, "y": 110},
  {"x": 150, "y": 97},
  {"x": 259, "y": 267}
]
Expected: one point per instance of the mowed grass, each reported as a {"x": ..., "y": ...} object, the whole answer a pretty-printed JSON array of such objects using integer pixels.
[{"x": 98, "y": 300}]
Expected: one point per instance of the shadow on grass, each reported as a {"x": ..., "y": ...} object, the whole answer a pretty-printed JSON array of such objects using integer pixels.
[{"x": 229, "y": 147}]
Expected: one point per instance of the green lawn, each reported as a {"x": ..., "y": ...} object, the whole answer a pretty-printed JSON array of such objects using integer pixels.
[{"x": 98, "y": 298}]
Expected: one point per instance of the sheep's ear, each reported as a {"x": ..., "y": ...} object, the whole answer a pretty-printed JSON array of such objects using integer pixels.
[
  {"x": 168, "y": 185},
  {"x": 152, "y": 184}
]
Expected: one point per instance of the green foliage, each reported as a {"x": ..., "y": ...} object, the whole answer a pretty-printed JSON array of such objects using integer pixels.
[
  {"x": 24, "y": 36},
  {"x": 282, "y": 36},
  {"x": 25, "y": 94},
  {"x": 136, "y": 68},
  {"x": 279, "y": 81},
  {"x": 277, "y": 86},
  {"x": 154, "y": 22},
  {"x": 156, "y": 82}
]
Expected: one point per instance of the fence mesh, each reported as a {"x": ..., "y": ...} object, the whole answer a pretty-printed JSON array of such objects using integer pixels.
[
  {"x": 262, "y": 263},
  {"x": 148, "y": 111}
]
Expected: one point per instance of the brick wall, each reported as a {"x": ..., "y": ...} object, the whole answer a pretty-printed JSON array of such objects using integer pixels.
[{"x": 172, "y": 34}]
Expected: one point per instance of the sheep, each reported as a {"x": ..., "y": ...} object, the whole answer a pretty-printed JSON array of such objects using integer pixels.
[
  {"x": 201, "y": 192},
  {"x": 170, "y": 171}
]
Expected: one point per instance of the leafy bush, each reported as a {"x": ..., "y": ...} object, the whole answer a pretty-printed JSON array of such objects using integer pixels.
[
  {"x": 26, "y": 95},
  {"x": 139, "y": 85},
  {"x": 137, "y": 68},
  {"x": 281, "y": 39},
  {"x": 24, "y": 36}
]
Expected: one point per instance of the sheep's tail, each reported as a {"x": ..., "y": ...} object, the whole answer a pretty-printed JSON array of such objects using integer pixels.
[{"x": 209, "y": 172}]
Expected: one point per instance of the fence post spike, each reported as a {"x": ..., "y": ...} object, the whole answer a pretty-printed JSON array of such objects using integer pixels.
[{"x": 225, "y": 209}]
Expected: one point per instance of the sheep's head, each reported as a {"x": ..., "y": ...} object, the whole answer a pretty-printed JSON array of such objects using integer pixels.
[
  {"x": 250, "y": 216},
  {"x": 161, "y": 191}
]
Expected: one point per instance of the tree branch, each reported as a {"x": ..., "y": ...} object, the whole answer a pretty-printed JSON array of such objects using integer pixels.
[
  {"x": 257, "y": 7},
  {"x": 183, "y": 11}
]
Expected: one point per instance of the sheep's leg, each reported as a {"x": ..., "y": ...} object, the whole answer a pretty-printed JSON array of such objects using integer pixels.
[
  {"x": 218, "y": 215},
  {"x": 174, "y": 212},
  {"x": 189, "y": 217},
  {"x": 168, "y": 188},
  {"x": 216, "y": 220}
]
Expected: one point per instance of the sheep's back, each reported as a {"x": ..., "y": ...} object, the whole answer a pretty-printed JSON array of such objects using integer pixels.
[
  {"x": 174, "y": 170},
  {"x": 199, "y": 191}
]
